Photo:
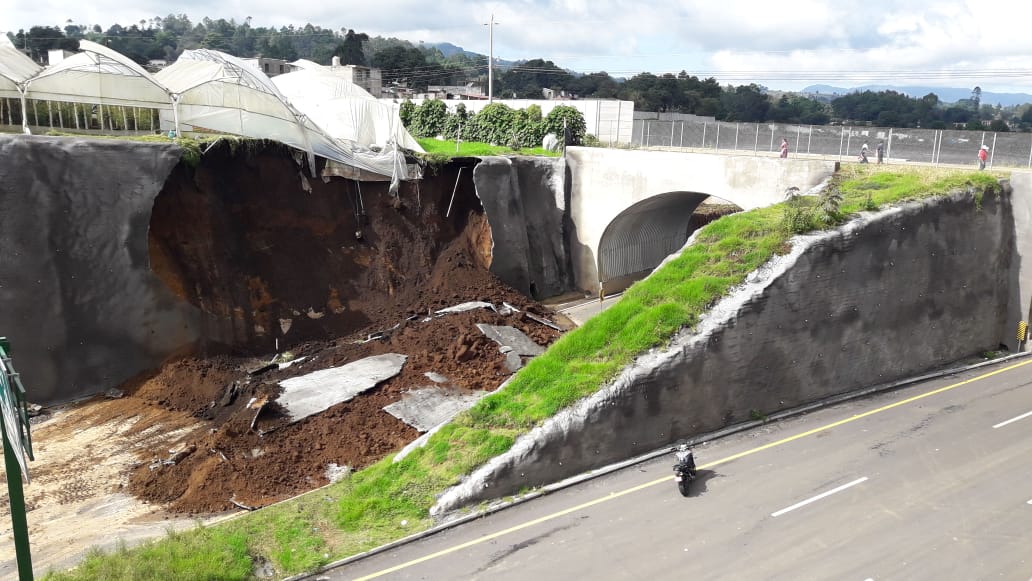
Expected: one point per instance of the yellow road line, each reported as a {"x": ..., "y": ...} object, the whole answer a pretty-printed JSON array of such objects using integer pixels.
[{"x": 614, "y": 495}]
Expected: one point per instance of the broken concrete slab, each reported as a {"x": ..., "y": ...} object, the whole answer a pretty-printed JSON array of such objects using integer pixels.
[
  {"x": 436, "y": 377},
  {"x": 425, "y": 408},
  {"x": 513, "y": 361},
  {"x": 317, "y": 391},
  {"x": 511, "y": 337}
]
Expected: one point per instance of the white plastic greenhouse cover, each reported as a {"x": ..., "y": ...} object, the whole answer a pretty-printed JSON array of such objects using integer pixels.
[
  {"x": 343, "y": 109},
  {"x": 219, "y": 93},
  {"x": 99, "y": 75},
  {"x": 15, "y": 69}
]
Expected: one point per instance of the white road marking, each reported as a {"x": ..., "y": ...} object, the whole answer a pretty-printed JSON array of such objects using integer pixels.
[
  {"x": 1021, "y": 417},
  {"x": 819, "y": 496}
]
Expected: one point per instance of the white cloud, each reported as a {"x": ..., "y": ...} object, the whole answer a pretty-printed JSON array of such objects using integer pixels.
[{"x": 779, "y": 44}]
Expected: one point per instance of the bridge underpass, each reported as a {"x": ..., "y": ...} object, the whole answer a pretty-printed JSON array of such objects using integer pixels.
[
  {"x": 643, "y": 235},
  {"x": 628, "y": 209}
]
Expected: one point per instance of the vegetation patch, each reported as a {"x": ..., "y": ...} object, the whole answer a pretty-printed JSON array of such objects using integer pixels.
[
  {"x": 390, "y": 500},
  {"x": 447, "y": 149}
]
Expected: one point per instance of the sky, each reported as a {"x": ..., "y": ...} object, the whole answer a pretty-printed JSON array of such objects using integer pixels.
[{"x": 782, "y": 45}]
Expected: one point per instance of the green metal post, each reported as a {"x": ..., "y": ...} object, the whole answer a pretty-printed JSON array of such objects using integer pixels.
[{"x": 18, "y": 520}]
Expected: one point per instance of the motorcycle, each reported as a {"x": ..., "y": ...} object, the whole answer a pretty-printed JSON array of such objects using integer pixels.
[{"x": 684, "y": 470}]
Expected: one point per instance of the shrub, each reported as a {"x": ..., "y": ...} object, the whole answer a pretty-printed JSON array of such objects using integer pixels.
[{"x": 574, "y": 123}]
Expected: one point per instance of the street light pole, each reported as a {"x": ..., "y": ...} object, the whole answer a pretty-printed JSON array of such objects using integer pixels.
[{"x": 490, "y": 59}]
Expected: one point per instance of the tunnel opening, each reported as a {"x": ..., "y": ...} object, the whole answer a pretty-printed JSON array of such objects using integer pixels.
[{"x": 643, "y": 235}]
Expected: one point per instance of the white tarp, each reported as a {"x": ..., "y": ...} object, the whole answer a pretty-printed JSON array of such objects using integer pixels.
[
  {"x": 15, "y": 69},
  {"x": 218, "y": 93},
  {"x": 343, "y": 109},
  {"x": 99, "y": 75}
]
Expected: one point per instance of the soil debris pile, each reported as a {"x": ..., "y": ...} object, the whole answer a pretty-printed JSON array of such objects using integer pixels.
[{"x": 272, "y": 265}]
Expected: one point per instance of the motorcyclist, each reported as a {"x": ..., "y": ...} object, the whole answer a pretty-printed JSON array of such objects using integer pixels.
[{"x": 685, "y": 456}]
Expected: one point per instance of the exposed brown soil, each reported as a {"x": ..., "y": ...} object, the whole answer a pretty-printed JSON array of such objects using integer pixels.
[
  {"x": 277, "y": 269},
  {"x": 271, "y": 264}
]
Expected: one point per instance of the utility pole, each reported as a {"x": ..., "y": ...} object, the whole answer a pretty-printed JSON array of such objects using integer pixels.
[{"x": 490, "y": 59}]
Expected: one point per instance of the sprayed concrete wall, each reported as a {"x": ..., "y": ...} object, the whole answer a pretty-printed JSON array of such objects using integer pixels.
[
  {"x": 79, "y": 302},
  {"x": 883, "y": 297},
  {"x": 524, "y": 199}
]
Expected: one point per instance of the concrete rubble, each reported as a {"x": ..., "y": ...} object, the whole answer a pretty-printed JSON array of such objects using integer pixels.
[
  {"x": 425, "y": 408},
  {"x": 310, "y": 394},
  {"x": 515, "y": 345}
]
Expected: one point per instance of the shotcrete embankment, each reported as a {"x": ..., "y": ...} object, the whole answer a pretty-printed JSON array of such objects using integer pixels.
[
  {"x": 80, "y": 304},
  {"x": 885, "y": 296},
  {"x": 525, "y": 203}
]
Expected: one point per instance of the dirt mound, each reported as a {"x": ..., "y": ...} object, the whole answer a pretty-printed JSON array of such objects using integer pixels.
[{"x": 317, "y": 273}]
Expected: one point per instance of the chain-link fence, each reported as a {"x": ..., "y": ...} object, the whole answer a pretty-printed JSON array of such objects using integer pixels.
[{"x": 933, "y": 146}]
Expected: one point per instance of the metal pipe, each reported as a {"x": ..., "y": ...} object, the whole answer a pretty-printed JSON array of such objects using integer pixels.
[{"x": 454, "y": 189}]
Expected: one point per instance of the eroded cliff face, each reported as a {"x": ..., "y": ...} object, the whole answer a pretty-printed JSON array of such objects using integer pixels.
[
  {"x": 117, "y": 256},
  {"x": 275, "y": 257},
  {"x": 79, "y": 301}
]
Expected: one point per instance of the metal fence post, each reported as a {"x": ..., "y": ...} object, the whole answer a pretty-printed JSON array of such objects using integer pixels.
[
  {"x": 798, "y": 130},
  {"x": 992, "y": 152},
  {"x": 681, "y": 144},
  {"x": 737, "y": 126},
  {"x": 648, "y": 132},
  {"x": 888, "y": 146},
  {"x": 671, "y": 133},
  {"x": 756, "y": 143},
  {"x": 716, "y": 144},
  {"x": 703, "y": 146},
  {"x": 849, "y": 138},
  {"x": 809, "y": 139},
  {"x": 841, "y": 138},
  {"x": 771, "y": 138}
]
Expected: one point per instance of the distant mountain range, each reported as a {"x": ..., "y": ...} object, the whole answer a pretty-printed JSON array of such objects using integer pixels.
[
  {"x": 448, "y": 49},
  {"x": 946, "y": 94}
]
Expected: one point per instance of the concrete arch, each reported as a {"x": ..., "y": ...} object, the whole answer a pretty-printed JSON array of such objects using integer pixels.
[
  {"x": 605, "y": 183},
  {"x": 641, "y": 236}
]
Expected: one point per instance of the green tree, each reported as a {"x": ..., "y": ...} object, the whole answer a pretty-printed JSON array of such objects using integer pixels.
[
  {"x": 574, "y": 123},
  {"x": 429, "y": 118},
  {"x": 349, "y": 49}
]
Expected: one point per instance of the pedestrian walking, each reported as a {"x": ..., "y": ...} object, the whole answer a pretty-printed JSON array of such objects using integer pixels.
[
  {"x": 983, "y": 154},
  {"x": 784, "y": 148}
]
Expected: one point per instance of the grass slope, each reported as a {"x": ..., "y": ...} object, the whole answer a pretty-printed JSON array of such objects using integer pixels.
[
  {"x": 390, "y": 500},
  {"x": 472, "y": 149}
]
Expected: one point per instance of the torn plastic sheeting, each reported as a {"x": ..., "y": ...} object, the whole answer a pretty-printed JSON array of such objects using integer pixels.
[
  {"x": 463, "y": 307},
  {"x": 310, "y": 394}
]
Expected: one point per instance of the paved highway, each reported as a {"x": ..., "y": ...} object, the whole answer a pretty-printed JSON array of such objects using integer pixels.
[{"x": 930, "y": 482}]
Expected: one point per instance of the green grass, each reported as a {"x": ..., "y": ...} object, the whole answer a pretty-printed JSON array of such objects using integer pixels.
[
  {"x": 390, "y": 500},
  {"x": 472, "y": 148}
]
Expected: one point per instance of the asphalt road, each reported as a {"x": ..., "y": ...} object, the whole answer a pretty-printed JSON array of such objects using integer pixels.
[{"x": 920, "y": 483}]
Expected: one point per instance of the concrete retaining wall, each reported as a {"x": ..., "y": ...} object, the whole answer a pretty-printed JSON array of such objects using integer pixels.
[
  {"x": 884, "y": 297},
  {"x": 525, "y": 203},
  {"x": 79, "y": 301}
]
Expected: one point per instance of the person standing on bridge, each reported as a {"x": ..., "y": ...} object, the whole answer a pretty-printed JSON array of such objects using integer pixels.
[
  {"x": 784, "y": 148},
  {"x": 983, "y": 154}
]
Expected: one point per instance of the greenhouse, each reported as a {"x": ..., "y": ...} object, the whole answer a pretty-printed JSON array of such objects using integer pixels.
[{"x": 98, "y": 90}]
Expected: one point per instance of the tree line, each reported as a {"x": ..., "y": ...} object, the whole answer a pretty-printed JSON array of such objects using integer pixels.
[{"x": 417, "y": 67}]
